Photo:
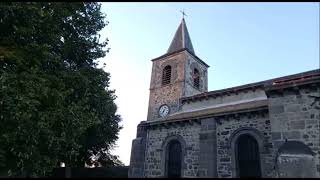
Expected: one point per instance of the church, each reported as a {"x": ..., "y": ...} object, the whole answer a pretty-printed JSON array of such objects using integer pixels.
[{"x": 263, "y": 129}]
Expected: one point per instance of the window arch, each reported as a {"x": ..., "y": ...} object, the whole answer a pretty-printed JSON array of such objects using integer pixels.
[
  {"x": 247, "y": 156},
  {"x": 177, "y": 146},
  {"x": 196, "y": 78},
  {"x": 166, "y": 75},
  {"x": 234, "y": 142}
]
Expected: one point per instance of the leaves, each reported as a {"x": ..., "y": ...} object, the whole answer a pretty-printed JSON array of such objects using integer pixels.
[{"x": 56, "y": 105}]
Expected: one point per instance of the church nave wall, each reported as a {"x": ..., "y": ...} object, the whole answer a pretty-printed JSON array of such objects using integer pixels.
[
  {"x": 155, "y": 150},
  {"x": 229, "y": 128}
]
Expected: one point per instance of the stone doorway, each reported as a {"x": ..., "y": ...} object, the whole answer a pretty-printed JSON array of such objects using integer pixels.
[
  {"x": 247, "y": 157},
  {"x": 174, "y": 159}
]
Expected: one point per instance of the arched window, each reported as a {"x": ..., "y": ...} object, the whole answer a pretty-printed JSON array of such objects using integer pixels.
[
  {"x": 248, "y": 156},
  {"x": 166, "y": 75},
  {"x": 174, "y": 159},
  {"x": 196, "y": 78}
]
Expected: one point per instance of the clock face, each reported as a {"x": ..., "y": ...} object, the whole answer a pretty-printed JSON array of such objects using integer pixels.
[{"x": 164, "y": 110}]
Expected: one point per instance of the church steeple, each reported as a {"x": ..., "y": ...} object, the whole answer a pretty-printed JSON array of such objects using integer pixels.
[
  {"x": 176, "y": 74},
  {"x": 181, "y": 39}
]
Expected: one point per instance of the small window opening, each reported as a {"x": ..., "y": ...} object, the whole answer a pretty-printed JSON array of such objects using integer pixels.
[
  {"x": 166, "y": 75},
  {"x": 196, "y": 78}
]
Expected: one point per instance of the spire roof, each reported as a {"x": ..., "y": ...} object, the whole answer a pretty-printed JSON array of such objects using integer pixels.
[{"x": 181, "y": 39}]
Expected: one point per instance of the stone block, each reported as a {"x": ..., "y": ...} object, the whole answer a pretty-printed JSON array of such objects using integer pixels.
[
  {"x": 297, "y": 124},
  {"x": 208, "y": 121},
  {"x": 135, "y": 173},
  {"x": 207, "y": 154},
  {"x": 207, "y": 135},
  {"x": 202, "y": 173},
  {"x": 292, "y": 108},
  {"x": 276, "y": 135},
  {"x": 141, "y": 130},
  {"x": 291, "y": 135},
  {"x": 296, "y": 166},
  {"x": 204, "y": 127},
  {"x": 279, "y": 124},
  {"x": 224, "y": 132},
  {"x": 312, "y": 122},
  {"x": 224, "y": 159},
  {"x": 211, "y": 127},
  {"x": 276, "y": 109},
  {"x": 277, "y": 144},
  {"x": 203, "y": 136},
  {"x": 225, "y": 175}
]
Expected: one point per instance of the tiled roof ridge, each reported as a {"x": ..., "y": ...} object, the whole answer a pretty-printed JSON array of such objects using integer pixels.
[{"x": 262, "y": 84}]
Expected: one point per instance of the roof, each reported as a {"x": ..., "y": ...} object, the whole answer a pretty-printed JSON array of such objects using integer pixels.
[
  {"x": 215, "y": 111},
  {"x": 181, "y": 39},
  {"x": 178, "y": 51},
  {"x": 294, "y": 79},
  {"x": 181, "y": 42}
]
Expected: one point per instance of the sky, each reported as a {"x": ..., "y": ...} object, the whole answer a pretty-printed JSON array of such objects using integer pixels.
[{"x": 241, "y": 42}]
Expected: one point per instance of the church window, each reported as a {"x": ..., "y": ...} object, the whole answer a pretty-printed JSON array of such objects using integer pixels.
[
  {"x": 196, "y": 78},
  {"x": 166, "y": 75},
  {"x": 248, "y": 157}
]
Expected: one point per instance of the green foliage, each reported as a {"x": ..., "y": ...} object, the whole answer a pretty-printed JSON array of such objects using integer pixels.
[
  {"x": 105, "y": 159},
  {"x": 55, "y": 103}
]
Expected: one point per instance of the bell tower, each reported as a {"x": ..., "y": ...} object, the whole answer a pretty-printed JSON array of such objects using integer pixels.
[{"x": 176, "y": 74}]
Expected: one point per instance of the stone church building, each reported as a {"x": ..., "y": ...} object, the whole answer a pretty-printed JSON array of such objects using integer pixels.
[{"x": 263, "y": 129}]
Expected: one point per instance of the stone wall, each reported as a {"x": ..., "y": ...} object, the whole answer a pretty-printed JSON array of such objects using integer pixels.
[
  {"x": 228, "y": 128},
  {"x": 176, "y": 61},
  {"x": 155, "y": 150},
  {"x": 295, "y": 116},
  {"x": 181, "y": 84},
  {"x": 208, "y": 148},
  {"x": 296, "y": 166},
  {"x": 189, "y": 88},
  {"x": 138, "y": 148},
  {"x": 166, "y": 94}
]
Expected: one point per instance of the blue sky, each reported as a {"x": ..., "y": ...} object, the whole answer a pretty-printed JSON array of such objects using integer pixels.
[{"x": 241, "y": 42}]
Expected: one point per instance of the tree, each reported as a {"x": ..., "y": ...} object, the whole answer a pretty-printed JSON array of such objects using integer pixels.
[
  {"x": 56, "y": 105},
  {"x": 105, "y": 159}
]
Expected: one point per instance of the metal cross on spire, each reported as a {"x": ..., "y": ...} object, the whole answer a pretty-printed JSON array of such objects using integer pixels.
[{"x": 183, "y": 13}]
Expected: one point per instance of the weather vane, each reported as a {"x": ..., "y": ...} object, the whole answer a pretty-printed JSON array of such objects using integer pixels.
[{"x": 183, "y": 13}]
